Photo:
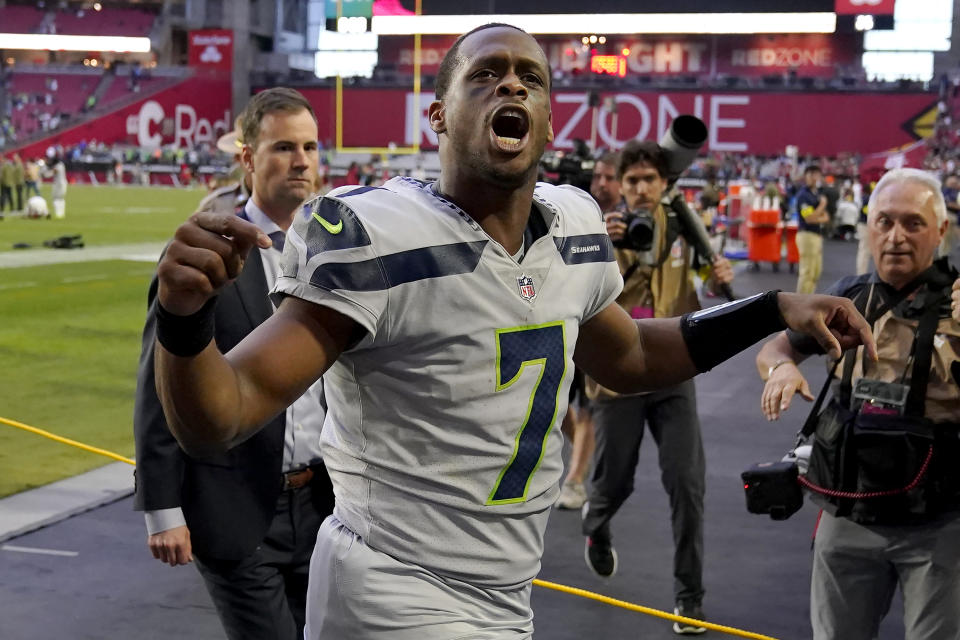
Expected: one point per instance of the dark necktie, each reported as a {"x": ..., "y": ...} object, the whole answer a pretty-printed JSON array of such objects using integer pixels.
[{"x": 278, "y": 237}]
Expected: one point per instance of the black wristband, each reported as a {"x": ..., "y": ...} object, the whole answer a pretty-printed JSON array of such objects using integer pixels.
[
  {"x": 186, "y": 336},
  {"x": 718, "y": 333}
]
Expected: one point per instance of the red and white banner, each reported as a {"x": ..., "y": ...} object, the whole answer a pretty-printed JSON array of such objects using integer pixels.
[
  {"x": 813, "y": 54},
  {"x": 759, "y": 123},
  {"x": 193, "y": 112},
  {"x": 871, "y": 7},
  {"x": 743, "y": 55},
  {"x": 211, "y": 49},
  {"x": 198, "y": 111}
]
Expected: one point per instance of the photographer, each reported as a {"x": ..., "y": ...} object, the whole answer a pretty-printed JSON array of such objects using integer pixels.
[
  {"x": 875, "y": 535},
  {"x": 655, "y": 262}
]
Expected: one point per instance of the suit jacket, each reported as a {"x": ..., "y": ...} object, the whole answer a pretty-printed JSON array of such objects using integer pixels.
[{"x": 228, "y": 500}]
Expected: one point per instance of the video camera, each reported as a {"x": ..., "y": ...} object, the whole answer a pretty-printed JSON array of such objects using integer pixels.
[
  {"x": 574, "y": 168},
  {"x": 773, "y": 488}
]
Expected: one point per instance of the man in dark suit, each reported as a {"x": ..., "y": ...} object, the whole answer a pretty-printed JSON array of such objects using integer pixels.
[{"x": 249, "y": 517}]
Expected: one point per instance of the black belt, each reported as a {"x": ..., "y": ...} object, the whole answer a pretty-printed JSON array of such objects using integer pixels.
[{"x": 297, "y": 479}]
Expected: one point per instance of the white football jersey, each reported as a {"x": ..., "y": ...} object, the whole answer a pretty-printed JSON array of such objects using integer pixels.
[{"x": 442, "y": 432}]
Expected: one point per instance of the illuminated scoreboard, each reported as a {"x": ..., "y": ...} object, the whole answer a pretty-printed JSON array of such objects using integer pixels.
[{"x": 614, "y": 65}]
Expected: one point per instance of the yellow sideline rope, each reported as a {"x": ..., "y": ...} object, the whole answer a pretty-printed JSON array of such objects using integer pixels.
[
  {"x": 73, "y": 443},
  {"x": 590, "y": 595}
]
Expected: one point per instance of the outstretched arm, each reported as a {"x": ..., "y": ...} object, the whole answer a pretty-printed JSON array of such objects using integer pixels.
[
  {"x": 212, "y": 401},
  {"x": 628, "y": 355}
]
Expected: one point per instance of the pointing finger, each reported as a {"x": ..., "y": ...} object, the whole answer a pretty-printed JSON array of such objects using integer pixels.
[
  {"x": 826, "y": 338},
  {"x": 245, "y": 234},
  {"x": 859, "y": 324}
]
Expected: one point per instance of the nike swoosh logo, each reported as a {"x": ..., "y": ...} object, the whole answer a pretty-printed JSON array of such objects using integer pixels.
[{"x": 332, "y": 228}]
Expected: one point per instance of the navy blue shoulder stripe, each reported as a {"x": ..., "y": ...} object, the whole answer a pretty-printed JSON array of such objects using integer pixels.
[
  {"x": 358, "y": 191},
  {"x": 379, "y": 274},
  {"x": 594, "y": 247},
  {"x": 330, "y": 225}
]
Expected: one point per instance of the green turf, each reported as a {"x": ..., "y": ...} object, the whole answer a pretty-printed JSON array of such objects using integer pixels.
[
  {"x": 106, "y": 215},
  {"x": 70, "y": 333}
]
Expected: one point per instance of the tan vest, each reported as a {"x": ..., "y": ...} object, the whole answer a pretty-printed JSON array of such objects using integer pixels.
[
  {"x": 894, "y": 337},
  {"x": 668, "y": 289}
]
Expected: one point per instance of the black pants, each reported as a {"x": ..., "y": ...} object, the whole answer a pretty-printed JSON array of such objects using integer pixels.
[
  {"x": 264, "y": 595},
  {"x": 6, "y": 198},
  {"x": 19, "y": 189},
  {"x": 671, "y": 415}
]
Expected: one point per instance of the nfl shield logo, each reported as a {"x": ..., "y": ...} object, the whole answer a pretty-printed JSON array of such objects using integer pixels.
[{"x": 527, "y": 290}]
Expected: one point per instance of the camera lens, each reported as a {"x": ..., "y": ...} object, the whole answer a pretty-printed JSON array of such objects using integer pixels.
[{"x": 640, "y": 231}]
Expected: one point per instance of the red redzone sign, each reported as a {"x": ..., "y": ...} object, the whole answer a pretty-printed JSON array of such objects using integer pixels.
[
  {"x": 764, "y": 123},
  {"x": 807, "y": 54}
]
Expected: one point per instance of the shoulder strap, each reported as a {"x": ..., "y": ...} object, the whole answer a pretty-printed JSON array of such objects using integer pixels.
[
  {"x": 810, "y": 425},
  {"x": 923, "y": 353}
]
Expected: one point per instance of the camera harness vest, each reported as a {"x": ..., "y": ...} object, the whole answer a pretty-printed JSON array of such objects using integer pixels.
[{"x": 942, "y": 479}]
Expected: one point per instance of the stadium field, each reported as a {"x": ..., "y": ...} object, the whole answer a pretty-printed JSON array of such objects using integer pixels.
[
  {"x": 106, "y": 215},
  {"x": 70, "y": 333}
]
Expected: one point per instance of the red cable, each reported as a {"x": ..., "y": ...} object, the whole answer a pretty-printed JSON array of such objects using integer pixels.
[{"x": 833, "y": 493}]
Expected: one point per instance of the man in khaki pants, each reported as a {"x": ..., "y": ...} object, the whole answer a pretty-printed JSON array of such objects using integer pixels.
[{"x": 812, "y": 206}]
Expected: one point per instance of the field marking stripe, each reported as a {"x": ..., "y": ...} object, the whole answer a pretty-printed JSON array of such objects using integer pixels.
[
  {"x": 18, "y": 285},
  {"x": 45, "y": 552},
  {"x": 97, "y": 276}
]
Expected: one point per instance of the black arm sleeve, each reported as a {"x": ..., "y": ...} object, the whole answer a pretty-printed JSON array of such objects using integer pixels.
[{"x": 718, "y": 333}]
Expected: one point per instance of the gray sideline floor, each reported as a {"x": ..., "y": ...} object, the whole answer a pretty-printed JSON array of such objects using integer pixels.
[{"x": 757, "y": 571}]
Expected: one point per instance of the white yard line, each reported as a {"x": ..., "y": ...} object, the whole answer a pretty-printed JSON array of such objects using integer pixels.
[
  {"x": 73, "y": 279},
  {"x": 44, "y": 552},
  {"x": 17, "y": 285},
  {"x": 144, "y": 252}
]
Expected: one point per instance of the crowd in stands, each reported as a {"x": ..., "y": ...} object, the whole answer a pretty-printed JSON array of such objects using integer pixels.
[
  {"x": 943, "y": 146},
  {"x": 67, "y": 18},
  {"x": 40, "y": 102}
]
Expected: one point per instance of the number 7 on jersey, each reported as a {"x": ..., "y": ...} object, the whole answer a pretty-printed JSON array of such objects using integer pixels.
[{"x": 541, "y": 346}]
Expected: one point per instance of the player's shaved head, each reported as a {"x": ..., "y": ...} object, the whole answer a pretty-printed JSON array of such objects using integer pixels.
[{"x": 453, "y": 59}]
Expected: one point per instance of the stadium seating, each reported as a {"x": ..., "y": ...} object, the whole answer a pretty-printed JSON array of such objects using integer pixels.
[
  {"x": 119, "y": 91},
  {"x": 111, "y": 21},
  {"x": 72, "y": 91},
  {"x": 20, "y": 18}
]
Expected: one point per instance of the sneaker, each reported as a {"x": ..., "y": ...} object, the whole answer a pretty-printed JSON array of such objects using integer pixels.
[
  {"x": 572, "y": 495},
  {"x": 601, "y": 557},
  {"x": 688, "y": 610}
]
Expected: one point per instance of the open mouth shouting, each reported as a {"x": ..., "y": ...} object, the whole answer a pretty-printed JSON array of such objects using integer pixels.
[{"x": 510, "y": 128}]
